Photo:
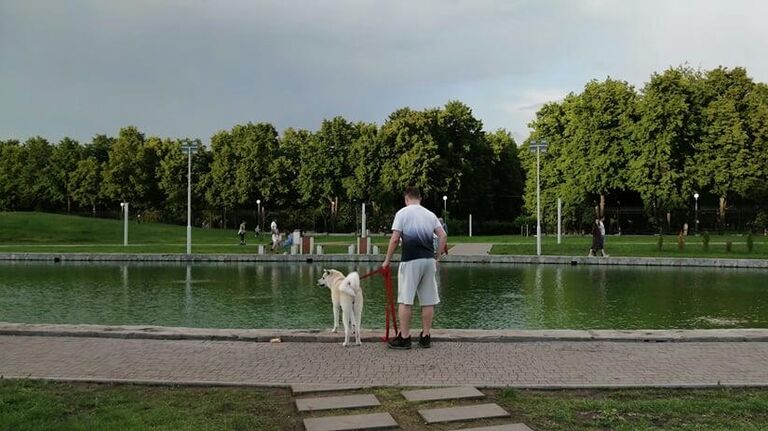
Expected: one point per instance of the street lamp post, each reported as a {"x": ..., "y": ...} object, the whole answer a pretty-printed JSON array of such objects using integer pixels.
[
  {"x": 258, "y": 214},
  {"x": 538, "y": 146},
  {"x": 696, "y": 206},
  {"x": 124, "y": 206},
  {"x": 445, "y": 204},
  {"x": 189, "y": 148}
]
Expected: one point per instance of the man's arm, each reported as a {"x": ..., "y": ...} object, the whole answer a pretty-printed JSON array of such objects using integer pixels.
[
  {"x": 393, "y": 242},
  {"x": 443, "y": 238}
]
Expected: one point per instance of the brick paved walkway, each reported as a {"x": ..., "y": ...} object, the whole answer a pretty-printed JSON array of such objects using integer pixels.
[
  {"x": 470, "y": 249},
  {"x": 532, "y": 364}
]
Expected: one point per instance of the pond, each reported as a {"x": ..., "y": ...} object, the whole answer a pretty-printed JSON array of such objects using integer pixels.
[{"x": 476, "y": 296}]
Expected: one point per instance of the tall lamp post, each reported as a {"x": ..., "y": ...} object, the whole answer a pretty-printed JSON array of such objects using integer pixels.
[
  {"x": 696, "y": 206},
  {"x": 445, "y": 205},
  {"x": 189, "y": 148},
  {"x": 124, "y": 206},
  {"x": 258, "y": 214},
  {"x": 538, "y": 146}
]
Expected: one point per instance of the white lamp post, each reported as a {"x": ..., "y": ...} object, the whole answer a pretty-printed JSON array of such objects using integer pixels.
[
  {"x": 124, "y": 206},
  {"x": 696, "y": 198},
  {"x": 538, "y": 146},
  {"x": 445, "y": 204},
  {"x": 189, "y": 148},
  {"x": 258, "y": 214}
]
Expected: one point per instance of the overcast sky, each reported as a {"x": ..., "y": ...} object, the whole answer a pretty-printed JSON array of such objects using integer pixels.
[{"x": 188, "y": 68}]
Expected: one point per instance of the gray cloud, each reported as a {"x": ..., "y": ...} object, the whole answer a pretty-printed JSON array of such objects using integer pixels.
[{"x": 190, "y": 68}]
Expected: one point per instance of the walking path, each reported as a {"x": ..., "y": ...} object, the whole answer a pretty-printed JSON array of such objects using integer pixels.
[
  {"x": 470, "y": 249},
  {"x": 515, "y": 364}
]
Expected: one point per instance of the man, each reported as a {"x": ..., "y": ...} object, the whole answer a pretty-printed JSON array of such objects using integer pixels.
[
  {"x": 275, "y": 235},
  {"x": 415, "y": 225}
]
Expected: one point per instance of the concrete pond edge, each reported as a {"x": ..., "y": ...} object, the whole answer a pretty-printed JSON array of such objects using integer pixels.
[
  {"x": 488, "y": 259},
  {"x": 376, "y": 335}
]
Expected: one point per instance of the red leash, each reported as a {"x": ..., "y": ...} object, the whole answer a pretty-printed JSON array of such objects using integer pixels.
[{"x": 389, "y": 308}]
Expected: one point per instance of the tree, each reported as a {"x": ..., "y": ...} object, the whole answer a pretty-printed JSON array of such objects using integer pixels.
[
  {"x": 84, "y": 182},
  {"x": 222, "y": 192},
  {"x": 10, "y": 174},
  {"x": 37, "y": 182},
  {"x": 125, "y": 175},
  {"x": 599, "y": 136},
  {"x": 506, "y": 184},
  {"x": 64, "y": 160},
  {"x": 665, "y": 133}
]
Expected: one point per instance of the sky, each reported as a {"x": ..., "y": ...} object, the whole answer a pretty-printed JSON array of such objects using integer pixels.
[{"x": 189, "y": 68}]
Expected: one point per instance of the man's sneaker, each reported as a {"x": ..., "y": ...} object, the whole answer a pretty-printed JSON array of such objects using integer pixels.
[
  {"x": 425, "y": 341},
  {"x": 400, "y": 343}
]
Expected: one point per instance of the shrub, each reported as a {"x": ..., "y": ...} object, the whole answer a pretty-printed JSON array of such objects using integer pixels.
[
  {"x": 728, "y": 246},
  {"x": 705, "y": 240},
  {"x": 660, "y": 242},
  {"x": 750, "y": 242}
]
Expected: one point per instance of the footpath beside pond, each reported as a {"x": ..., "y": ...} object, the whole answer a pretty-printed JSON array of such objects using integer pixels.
[{"x": 532, "y": 364}]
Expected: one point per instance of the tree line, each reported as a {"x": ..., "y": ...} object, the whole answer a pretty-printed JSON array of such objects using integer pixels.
[
  {"x": 685, "y": 132},
  {"x": 310, "y": 179}
]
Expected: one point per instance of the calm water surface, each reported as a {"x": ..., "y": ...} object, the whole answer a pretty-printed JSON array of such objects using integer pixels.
[{"x": 274, "y": 295}]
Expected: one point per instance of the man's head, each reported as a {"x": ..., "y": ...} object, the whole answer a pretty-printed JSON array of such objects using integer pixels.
[{"x": 412, "y": 195}]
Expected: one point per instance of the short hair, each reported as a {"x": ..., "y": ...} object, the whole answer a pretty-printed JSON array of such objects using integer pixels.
[{"x": 412, "y": 192}]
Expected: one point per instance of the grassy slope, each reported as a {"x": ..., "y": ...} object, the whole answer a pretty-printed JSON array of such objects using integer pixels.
[
  {"x": 30, "y": 405},
  {"x": 40, "y": 232}
]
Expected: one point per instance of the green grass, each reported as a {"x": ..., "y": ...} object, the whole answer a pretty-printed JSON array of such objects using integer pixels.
[
  {"x": 33, "y": 405},
  {"x": 30, "y": 405},
  {"x": 54, "y": 233}
]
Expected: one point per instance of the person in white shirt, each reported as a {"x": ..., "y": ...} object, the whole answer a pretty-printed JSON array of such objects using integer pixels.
[{"x": 415, "y": 225}]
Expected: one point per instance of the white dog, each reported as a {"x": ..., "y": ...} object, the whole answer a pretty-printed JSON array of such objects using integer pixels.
[{"x": 345, "y": 292}]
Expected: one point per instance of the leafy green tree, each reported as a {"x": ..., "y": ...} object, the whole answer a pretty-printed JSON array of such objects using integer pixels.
[
  {"x": 506, "y": 184},
  {"x": 10, "y": 174},
  {"x": 599, "y": 136},
  {"x": 84, "y": 182},
  {"x": 256, "y": 146},
  {"x": 222, "y": 191},
  {"x": 38, "y": 185},
  {"x": 665, "y": 133},
  {"x": 64, "y": 160},
  {"x": 125, "y": 175}
]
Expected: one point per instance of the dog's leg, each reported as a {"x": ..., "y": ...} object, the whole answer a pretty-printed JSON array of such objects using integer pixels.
[
  {"x": 355, "y": 325},
  {"x": 335, "y": 316},
  {"x": 345, "y": 315},
  {"x": 359, "y": 316}
]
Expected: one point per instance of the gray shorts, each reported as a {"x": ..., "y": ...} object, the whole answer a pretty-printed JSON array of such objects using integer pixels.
[{"x": 417, "y": 277}]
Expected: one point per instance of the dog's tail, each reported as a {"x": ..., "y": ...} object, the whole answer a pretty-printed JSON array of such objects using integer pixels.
[{"x": 351, "y": 284}]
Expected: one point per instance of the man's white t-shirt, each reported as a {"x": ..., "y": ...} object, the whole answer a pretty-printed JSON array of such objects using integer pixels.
[{"x": 416, "y": 225}]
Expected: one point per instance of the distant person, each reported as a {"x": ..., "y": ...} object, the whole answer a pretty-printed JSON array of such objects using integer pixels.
[
  {"x": 598, "y": 239},
  {"x": 436, "y": 239},
  {"x": 257, "y": 230},
  {"x": 275, "y": 235},
  {"x": 241, "y": 232}
]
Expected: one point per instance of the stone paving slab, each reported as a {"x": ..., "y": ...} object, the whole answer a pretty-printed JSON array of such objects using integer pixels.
[
  {"x": 374, "y": 336},
  {"x": 340, "y": 402},
  {"x": 443, "y": 394},
  {"x": 559, "y": 364},
  {"x": 463, "y": 413},
  {"x": 507, "y": 427},
  {"x": 350, "y": 422}
]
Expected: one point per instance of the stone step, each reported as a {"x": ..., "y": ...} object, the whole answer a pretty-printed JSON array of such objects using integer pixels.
[
  {"x": 340, "y": 402},
  {"x": 450, "y": 414},
  {"x": 443, "y": 394},
  {"x": 506, "y": 427},
  {"x": 298, "y": 389},
  {"x": 350, "y": 422}
]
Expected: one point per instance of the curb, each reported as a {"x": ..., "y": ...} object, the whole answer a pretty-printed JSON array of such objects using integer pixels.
[
  {"x": 438, "y": 335},
  {"x": 450, "y": 259}
]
